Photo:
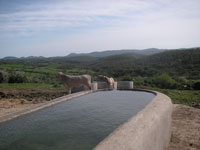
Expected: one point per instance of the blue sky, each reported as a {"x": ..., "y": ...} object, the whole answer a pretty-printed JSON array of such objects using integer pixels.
[{"x": 60, "y": 27}]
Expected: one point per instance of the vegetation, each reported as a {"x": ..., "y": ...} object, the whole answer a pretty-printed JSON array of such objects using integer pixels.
[
  {"x": 186, "y": 97},
  {"x": 175, "y": 72},
  {"x": 31, "y": 86}
]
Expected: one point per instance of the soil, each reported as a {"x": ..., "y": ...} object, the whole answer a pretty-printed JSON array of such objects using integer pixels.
[
  {"x": 15, "y": 100},
  {"x": 185, "y": 128}
]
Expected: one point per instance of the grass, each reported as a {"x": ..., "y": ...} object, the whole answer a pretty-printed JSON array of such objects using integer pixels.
[
  {"x": 46, "y": 70},
  {"x": 15, "y": 67},
  {"x": 27, "y": 68},
  {"x": 186, "y": 97},
  {"x": 31, "y": 86}
]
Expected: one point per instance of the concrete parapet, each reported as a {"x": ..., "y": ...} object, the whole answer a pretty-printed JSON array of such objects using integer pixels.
[
  {"x": 77, "y": 89},
  {"x": 149, "y": 129},
  {"x": 42, "y": 106},
  {"x": 124, "y": 85},
  {"x": 102, "y": 85}
]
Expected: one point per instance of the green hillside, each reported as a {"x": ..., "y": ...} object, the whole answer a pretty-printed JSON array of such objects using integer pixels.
[
  {"x": 116, "y": 65},
  {"x": 176, "y": 72},
  {"x": 180, "y": 65},
  {"x": 176, "y": 63},
  {"x": 179, "y": 62}
]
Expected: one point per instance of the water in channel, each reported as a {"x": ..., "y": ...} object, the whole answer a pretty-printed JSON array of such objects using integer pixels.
[{"x": 78, "y": 124}]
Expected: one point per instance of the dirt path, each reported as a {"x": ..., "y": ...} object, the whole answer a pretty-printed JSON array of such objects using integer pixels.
[{"x": 185, "y": 128}]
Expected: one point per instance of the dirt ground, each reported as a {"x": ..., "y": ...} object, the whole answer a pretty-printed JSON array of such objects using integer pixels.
[
  {"x": 15, "y": 100},
  {"x": 185, "y": 128}
]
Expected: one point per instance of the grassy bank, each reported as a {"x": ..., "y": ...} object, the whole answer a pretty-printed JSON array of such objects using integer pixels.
[{"x": 186, "y": 97}]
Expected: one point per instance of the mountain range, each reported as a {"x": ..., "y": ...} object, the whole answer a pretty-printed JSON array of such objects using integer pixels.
[
  {"x": 106, "y": 53},
  {"x": 149, "y": 51}
]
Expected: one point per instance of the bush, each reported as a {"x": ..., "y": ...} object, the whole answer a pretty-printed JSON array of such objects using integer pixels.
[
  {"x": 164, "y": 81},
  {"x": 126, "y": 78},
  {"x": 17, "y": 77},
  {"x": 196, "y": 86},
  {"x": 3, "y": 76}
]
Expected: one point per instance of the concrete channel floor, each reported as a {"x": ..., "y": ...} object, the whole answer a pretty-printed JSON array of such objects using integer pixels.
[{"x": 185, "y": 128}]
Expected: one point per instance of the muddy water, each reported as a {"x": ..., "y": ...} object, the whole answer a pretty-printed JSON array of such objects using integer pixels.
[{"x": 79, "y": 124}]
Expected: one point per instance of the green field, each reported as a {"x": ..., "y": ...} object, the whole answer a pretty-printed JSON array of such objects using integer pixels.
[
  {"x": 31, "y": 86},
  {"x": 186, "y": 97}
]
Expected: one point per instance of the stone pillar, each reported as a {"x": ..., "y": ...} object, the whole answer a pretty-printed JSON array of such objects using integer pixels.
[
  {"x": 115, "y": 86},
  {"x": 94, "y": 86}
]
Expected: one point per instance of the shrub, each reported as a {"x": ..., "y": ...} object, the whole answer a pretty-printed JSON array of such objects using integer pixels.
[
  {"x": 3, "y": 76},
  {"x": 17, "y": 77},
  {"x": 164, "y": 81},
  {"x": 127, "y": 78},
  {"x": 196, "y": 86}
]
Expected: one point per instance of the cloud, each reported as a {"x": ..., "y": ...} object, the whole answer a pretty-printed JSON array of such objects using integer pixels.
[
  {"x": 43, "y": 26},
  {"x": 72, "y": 14}
]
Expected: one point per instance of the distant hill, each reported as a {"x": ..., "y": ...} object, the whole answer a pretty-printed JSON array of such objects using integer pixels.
[
  {"x": 175, "y": 57},
  {"x": 181, "y": 62},
  {"x": 80, "y": 59},
  {"x": 177, "y": 62},
  {"x": 116, "y": 60},
  {"x": 33, "y": 57},
  {"x": 149, "y": 51},
  {"x": 10, "y": 58}
]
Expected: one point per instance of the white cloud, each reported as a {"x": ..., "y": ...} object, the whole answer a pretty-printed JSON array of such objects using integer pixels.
[
  {"x": 85, "y": 13},
  {"x": 105, "y": 24}
]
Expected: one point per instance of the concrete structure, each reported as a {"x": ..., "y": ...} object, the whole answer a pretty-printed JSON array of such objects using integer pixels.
[
  {"x": 94, "y": 86},
  {"x": 125, "y": 85},
  {"x": 121, "y": 85},
  {"x": 115, "y": 86},
  {"x": 102, "y": 85},
  {"x": 42, "y": 106},
  {"x": 149, "y": 129},
  {"x": 77, "y": 89}
]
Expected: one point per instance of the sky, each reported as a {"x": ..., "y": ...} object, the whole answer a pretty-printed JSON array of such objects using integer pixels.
[{"x": 59, "y": 27}]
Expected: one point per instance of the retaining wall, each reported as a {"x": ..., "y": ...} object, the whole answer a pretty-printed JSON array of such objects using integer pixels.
[
  {"x": 102, "y": 85},
  {"x": 122, "y": 85},
  {"x": 149, "y": 129},
  {"x": 125, "y": 85}
]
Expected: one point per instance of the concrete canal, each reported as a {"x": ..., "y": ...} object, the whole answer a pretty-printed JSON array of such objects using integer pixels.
[{"x": 78, "y": 124}]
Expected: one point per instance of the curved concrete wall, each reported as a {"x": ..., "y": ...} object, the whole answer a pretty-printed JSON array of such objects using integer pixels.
[
  {"x": 150, "y": 129},
  {"x": 124, "y": 85}
]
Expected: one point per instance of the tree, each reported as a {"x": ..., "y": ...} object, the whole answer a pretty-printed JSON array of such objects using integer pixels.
[
  {"x": 3, "y": 76},
  {"x": 164, "y": 81},
  {"x": 17, "y": 77},
  {"x": 196, "y": 86}
]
